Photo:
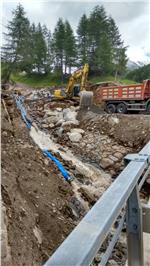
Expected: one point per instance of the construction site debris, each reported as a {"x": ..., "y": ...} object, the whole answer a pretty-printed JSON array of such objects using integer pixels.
[{"x": 41, "y": 207}]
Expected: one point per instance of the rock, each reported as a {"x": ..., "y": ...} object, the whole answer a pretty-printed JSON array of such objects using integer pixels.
[
  {"x": 113, "y": 120},
  {"x": 69, "y": 115},
  {"x": 112, "y": 263},
  {"x": 89, "y": 146},
  {"x": 49, "y": 120},
  {"x": 6, "y": 126},
  {"x": 51, "y": 125},
  {"x": 117, "y": 166},
  {"x": 77, "y": 207},
  {"x": 54, "y": 118},
  {"x": 98, "y": 257},
  {"x": 106, "y": 162},
  {"x": 4, "y": 133},
  {"x": 75, "y": 137},
  {"x": 112, "y": 172},
  {"x": 148, "y": 181},
  {"x": 23, "y": 212},
  {"x": 78, "y": 130},
  {"x": 113, "y": 158},
  {"x": 45, "y": 125},
  {"x": 118, "y": 155},
  {"x": 70, "y": 123},
  {"x": 50, "y": 113},
  {"x": 59, "y": 109},
  {"x": 5, "y": 248},
  {"x": 72, "y": 108},
  {"x": 87, "y": 195},
  {"x": 59, "y": 123},
  {"x": 60, "y": 131},
  {"x": 10, "y": 102},
  {"x": 38, "y": 234},
  {"x": 77, "y": 108},
  {"x": 46, "y": 161},
  {"x": 115, "y": 147}
]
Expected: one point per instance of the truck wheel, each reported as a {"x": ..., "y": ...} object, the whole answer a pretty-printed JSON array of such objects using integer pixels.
[
  {"x": 110, "y": 108},
  {"x": 148, "y": 109},
  {"x": 121, "y": 108}
]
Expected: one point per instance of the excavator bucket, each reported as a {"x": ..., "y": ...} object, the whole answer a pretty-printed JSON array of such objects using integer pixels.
[{"x": 86, "y": 99}]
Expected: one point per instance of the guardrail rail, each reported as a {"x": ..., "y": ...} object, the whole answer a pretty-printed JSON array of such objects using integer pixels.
[{"x": 82, "y": 245}]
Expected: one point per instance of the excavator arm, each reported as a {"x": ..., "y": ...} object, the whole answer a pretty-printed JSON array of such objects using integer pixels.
[
  {"x": 86, "y": 97},
  {"x": 78, "y": 74}
]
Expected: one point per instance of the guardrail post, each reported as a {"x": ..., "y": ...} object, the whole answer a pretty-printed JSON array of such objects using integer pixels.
[{"x": 134, "y": 229}]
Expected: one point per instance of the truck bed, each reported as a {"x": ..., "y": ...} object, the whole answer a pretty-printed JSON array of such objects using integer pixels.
[{"x": 125, "y": 92}]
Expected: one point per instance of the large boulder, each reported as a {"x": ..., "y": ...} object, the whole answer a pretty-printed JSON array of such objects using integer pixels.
[
  {"x": 53, "y": 117},
  {"x": 75, "y": 136},
  {"x": 106, "y": 163},
  {"x": 69, "y": 115},
  {"x": 77, "y": 130}
]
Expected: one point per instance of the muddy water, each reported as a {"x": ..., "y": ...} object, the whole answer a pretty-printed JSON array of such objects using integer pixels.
[{"x": 98, "y": 180}]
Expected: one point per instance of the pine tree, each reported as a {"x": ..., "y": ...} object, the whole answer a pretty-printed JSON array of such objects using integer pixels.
[
  {"x": 40, "y": 49},
  {"x": 69, "y": 47},
  {"x": 83, "y": 40},
  {"x": 120, "y": 61},
  {"x": 103, "y": 56},
  {"x": 16, "y": 50},
  {"x": 119, "y": 58},
  {"x": 97, "y": 30},
  {"x": 32, "y": 45},
  {"x": 58, "y": 45},
  {"x": 49, "y": 56},
  {"x": 114, "y": 34},
  {"x": 29, "y": 47},
  {"x": 139, "y": 74}
]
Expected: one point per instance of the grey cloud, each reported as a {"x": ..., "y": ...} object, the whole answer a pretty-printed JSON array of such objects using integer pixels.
[
  {"x": 124, "y": 11},
  {"x": 132, "y": 18},
  {"x": 50, "y": 11}
]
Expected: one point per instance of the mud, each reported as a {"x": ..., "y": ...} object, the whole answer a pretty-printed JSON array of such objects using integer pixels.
[
  {"x": 35, "y": 196},
  {"x": 41, "y": 207}
]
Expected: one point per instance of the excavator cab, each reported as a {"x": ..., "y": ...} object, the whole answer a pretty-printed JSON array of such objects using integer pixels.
[
  {"x": 76, "y": 90},
  {"x": 60, "y": 93}
]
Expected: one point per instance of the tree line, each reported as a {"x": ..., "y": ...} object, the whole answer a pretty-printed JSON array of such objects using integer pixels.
[
  {"x": 33, "y": 48},
  {"x": 140, "y": 73}
]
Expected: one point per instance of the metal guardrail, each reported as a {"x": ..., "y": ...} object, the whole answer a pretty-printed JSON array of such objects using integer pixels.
[{"x": 82, "y": 245}]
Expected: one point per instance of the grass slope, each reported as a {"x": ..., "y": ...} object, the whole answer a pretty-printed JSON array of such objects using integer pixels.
[
  {"x": 39, "y": 81},
  {"x": 111, "y": 78},
  {"x": 36, "y": 80}
]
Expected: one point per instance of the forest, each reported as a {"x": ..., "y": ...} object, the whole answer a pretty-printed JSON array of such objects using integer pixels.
[
  {"x": 139, "y": 74},
  {"x": 34, "y": 48}
]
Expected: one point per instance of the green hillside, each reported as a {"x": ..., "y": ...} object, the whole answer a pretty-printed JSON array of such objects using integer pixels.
[{"x": 36, "y": 80}]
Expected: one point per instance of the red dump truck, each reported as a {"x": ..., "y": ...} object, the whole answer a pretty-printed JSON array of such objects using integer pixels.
[{"x": 124, "y": 98}]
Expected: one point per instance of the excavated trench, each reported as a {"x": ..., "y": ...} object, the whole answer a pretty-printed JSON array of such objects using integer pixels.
[{"x": 41, "y": 207}]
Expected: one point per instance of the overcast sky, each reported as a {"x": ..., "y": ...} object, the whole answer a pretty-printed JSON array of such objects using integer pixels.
[{"x": 132, "y": 17}]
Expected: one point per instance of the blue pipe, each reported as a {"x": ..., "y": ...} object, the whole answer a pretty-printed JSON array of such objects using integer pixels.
[
  {"x": 58, "y": 164},
  {"x": 19, "y": 103}
]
